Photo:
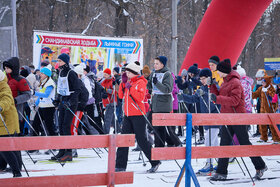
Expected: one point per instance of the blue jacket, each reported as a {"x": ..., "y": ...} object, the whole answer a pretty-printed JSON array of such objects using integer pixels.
[{"x": 203, "y": 103}]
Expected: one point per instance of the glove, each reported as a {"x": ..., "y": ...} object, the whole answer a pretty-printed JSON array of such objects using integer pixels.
[
  {"x": 209, "y": 81},
  {"x": 264, "y": 89},
  {"x": 213, "y": 97},
  {"x": 124, "y": 77},
  {"x": 67, "y": 104},
  {"x": 104, "y": 95},
  {"x": 55, "y": 103},
  {"x": 155, "y": 80},
  {"x": 128, "y": 85},
  {"x": 1, "y": 109},
  {"x": 200, "y": 92}
]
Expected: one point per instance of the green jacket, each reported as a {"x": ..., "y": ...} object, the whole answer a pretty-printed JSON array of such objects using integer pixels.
[
  {"x": 162, "y": 100},
  {"x": 9, "y": 112}
]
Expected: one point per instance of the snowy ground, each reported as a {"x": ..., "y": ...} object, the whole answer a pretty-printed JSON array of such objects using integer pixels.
[{"x": 89, "y": 162}]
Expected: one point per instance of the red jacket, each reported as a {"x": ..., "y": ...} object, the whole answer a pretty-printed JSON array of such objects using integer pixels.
[
  {"x": 231, "y": 95},
  {"x": 108, "y": 86},
  {"x": 137, "y": 92}
]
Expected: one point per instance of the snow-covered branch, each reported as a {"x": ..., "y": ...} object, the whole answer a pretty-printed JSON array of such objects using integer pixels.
[{"x": 91, "y": 22}]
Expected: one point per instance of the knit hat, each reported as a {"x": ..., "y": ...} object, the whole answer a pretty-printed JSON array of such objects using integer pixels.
[
  {"x": 108, "y": 71},
  {"x": 133, "y": 67},
  {"x": 146, "y": 70},
  {"x": 184, "y": 73},
  {"x": 224, "y": 66},
  {"x": 193, "y": 69},
  {"x": 241, "y": 71},
  {"x": 46, "y": 71},
  {"x": 206, "y": 72},
  {"x": 260, "y": 73},
  {"x": 162, "y": 59},
  {"x": 2, "y": 75},
  {"x": 117, "y": 70},
  {"x": 64, "y": 57},
  {"x": 214, "y": 59},
  {"x": 79, "y": 69}
]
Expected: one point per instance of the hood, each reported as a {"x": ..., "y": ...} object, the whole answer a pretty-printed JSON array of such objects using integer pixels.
[
  {"x": 12, "y": 63},
  {"x": 163, "y": 70},
  {"x": 248, "y": 79},
  {"x": 231, "y": 75}
]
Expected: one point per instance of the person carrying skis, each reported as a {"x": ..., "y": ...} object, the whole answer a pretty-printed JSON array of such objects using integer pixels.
[
  {"x": 231, "y": 98},
  {"x": 68, "y": 90},
  {"x": 133, "y": 93},
  {"x": 9, "y": 126}
]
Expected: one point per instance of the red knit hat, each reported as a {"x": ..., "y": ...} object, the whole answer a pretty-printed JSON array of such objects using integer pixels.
[{"x": 108, "y": 71}]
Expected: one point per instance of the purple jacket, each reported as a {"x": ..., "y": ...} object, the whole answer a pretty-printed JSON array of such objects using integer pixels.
[
  {"x": 174, "y": 93},
  {"x": 247, "y": 83}
]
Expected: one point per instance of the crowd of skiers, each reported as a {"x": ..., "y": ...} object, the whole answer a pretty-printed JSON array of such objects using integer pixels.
[{"x": 72, "y": 100}]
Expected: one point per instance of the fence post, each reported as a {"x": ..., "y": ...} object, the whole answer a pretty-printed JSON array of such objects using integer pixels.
[
  {"x": 111, "y": 160},
  {"x": 188, "y": 149}
]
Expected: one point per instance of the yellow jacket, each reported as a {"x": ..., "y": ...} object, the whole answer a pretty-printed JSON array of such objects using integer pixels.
[
  {"x": 9, "y": 112},
  {"x": 217, "y": 77}
]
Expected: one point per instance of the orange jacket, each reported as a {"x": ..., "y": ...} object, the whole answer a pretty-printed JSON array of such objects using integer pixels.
[
  {"x": 138, "y": 92},
  {"x": 108, "y": 86}
]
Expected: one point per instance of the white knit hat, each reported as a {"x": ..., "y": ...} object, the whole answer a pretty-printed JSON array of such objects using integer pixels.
[
  {"x": 79, "y": 69},
  {"x": 133, "y": 67},
  {"x": 260, "y": 73},
  {"x": 241, "y": 71},
  {"x": 2, "y": 75}
]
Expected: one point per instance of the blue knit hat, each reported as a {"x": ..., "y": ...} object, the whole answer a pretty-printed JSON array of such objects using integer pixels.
[
  {"x": 206, "y": 72},
  {"x": 117, "y": 69},
  {"x": 46, "y": 71},
  {"x": 162, "y": 59},
  {"x": 64, "y": 57},
  {"x": 193, "y": 69}
]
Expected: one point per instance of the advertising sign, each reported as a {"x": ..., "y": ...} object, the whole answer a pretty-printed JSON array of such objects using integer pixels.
[{"x": 98, "y": 53}]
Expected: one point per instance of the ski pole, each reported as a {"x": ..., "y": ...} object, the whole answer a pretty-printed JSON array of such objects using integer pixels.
[
  {"x": 141, "y": 154},
  {"x": 86, "y": 115},
  {"x": 2, "y": 119},
  {"x": 82, "y": 124},
  {"x": 156, "y": 133},
  {"x": 46, "y": 133}
]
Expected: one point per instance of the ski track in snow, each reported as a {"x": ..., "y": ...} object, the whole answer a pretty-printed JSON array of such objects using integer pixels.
[{"x": 89, "y": 162}]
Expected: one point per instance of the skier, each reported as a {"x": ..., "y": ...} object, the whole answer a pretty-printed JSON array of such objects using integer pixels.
[
  {"x": 109, "y": 100},
  {"x": 68, "y": 89},
  {"x": 201, "y": 97},
  {"x": 19, "y": 86},
  {"x": 231, "y": 98},
  {"x": 46, "y": 95},
  {"x": 133, "y": 92},
  {"x": 161, "y": 85},
  {"x": 9, "y": 120}
]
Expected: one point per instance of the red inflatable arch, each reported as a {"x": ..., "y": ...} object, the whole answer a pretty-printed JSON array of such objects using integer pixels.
[{"x": 224, "y": 30}]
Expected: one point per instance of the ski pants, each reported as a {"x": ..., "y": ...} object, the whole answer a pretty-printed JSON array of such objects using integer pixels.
[
  {"x": 243, "y": 138},
  {"x": 136, "y": 125},
  {"x": 211, "y": 139}
]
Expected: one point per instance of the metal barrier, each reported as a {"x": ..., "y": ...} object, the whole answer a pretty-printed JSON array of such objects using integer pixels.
[
  {"x": 188, "y": 152},
  {"x": 74, "y": 142}
]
